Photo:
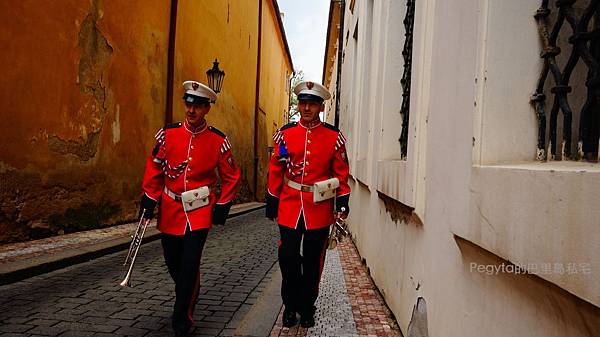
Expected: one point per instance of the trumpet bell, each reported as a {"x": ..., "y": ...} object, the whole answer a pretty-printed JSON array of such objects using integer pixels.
[
  {"x": 125, "y": 283},
  {"x": 332, "y": 243}
]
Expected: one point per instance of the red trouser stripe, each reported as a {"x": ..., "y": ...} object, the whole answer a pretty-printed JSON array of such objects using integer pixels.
[
  {"x": 194, "y": 298},
  {"x": 322, "y": 261}
]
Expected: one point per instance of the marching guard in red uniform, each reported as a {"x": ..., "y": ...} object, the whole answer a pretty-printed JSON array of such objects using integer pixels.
[
  {"x": 307, "y": 173},
  {"x": 180, "y": 177}
]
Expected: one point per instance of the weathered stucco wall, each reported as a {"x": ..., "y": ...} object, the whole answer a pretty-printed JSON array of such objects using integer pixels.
[
  {"x": 79, "y": 90},
  {"x": 84, "y": 91},
  {"x": 448, "y": 224}
]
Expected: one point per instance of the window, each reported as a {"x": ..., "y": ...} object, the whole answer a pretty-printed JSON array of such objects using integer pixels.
[
  {"x": 409, "y": 21},
  {"x": 571, "y": 76},
  {"x": 397, "y": 79}
]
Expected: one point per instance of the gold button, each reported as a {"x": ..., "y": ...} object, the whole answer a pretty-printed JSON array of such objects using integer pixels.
[
  {"x": 187, "y": 181},
  {"x": 192, "y": 147},
  {"x": 309, "y": 131},
  {"x": 190, "y": 159},
  {"x": 307, "y": 152},
  {"x": 307, "y": 163},
  {"x": 305, "y": 174},
  {"x": 189, "y": 169},
  {"x": 308, "y": 141}
]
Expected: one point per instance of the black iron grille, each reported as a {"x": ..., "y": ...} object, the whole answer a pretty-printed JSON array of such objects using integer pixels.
[
  {"x": 409, "y": 21},
  {"x": 579, "y": 19}
]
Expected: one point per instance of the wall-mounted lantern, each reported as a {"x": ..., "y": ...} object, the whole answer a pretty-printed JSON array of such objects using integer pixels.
[{"x": 215, "y": 77}]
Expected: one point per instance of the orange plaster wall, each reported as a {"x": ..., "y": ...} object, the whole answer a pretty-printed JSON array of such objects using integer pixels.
[
  {"x": 84, "y": 91},
  {"x": 82, "y": 86}
]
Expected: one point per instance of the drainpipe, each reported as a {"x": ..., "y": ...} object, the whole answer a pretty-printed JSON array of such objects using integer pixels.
[
  {"x": 338, "y": 81},
  {"x": 256, "y": 100},
  {"x": 171, "y": 62}
]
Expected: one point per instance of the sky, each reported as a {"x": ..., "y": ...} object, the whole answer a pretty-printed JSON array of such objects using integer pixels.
[{"x": 305, "y": 24}]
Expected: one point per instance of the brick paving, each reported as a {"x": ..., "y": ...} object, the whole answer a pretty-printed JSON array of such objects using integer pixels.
[
  {"x": 371, "y": 315},
  {"x": 349, "y": 304},
  {"x": 85, "y": 300}
]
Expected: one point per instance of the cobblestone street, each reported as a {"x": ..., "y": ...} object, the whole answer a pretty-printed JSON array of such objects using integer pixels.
[
  {"x": 85, "y": 299},
  {"x": 239, "y": 293}
]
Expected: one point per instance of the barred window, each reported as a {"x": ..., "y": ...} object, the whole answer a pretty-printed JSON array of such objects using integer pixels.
[
  {"x": 409, "y": 21},
  {"x": 570, "y": 79}
]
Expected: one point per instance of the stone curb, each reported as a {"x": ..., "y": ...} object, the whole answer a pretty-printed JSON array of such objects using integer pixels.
[
  {"x": 19, "y": 270},
  {"x": 259, "y": 321}
]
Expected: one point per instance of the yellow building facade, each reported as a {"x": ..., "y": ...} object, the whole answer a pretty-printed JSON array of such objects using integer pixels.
[
  {"x": 85, "y": 87},
  {"x": 276, "y": 71}
]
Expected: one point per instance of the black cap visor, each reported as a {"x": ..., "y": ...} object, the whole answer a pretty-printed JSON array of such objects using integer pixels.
[
  {"x": 193, "y": 99},
  {"x": 310, "y": 97}
]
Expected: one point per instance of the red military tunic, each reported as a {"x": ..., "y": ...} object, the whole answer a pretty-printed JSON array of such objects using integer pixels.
[
  {"x": 183, "y": 160},
  {"x": 315, "y": 154}
]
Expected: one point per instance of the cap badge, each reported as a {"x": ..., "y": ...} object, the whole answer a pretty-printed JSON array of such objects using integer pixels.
[
  {"x": 310, "y": 85},
  {"x": 195, "y": 86}
]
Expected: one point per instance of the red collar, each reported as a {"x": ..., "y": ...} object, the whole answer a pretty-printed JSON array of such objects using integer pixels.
[
  {"x": 194, "y": 130},
  {"x": 310, "y": 125}
]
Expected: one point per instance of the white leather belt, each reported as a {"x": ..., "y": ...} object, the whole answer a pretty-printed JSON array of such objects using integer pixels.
[
  {"x": 172, "y": 194},
  {"x": 299, "y": 187}
]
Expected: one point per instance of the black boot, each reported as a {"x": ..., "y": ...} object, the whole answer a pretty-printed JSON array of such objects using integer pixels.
[
  {"x": 181, "y": 334},
  {"x": 289, "y": 318},
  {"x": 181, "y": 329},
  {"x": 307, "y": 318}
]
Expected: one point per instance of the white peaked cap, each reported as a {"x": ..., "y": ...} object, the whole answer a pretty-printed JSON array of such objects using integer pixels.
[
  {"x": 193, "y": 88},
  {"x": 307, "y": 88}
]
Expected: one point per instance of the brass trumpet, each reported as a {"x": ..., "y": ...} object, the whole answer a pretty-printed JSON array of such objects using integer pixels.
[
  {"x": 338, "y": 232},
  {"x": 136, "y": 242}
]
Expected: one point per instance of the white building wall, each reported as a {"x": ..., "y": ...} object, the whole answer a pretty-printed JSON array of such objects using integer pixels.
[{"x": 469, "y": 195}]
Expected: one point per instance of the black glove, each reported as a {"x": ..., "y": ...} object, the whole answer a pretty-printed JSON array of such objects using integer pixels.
[
  {"x": 342, "y": 202},
  {"x": 220, "y": 212},
  {"x": 147, "y": 205},
  {"x": 272, "y": 206}
]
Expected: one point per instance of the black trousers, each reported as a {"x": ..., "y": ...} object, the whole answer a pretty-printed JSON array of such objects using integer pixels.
[
  {"x": 301, "y": 273},
  {"x": 182, "y": 256}
]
